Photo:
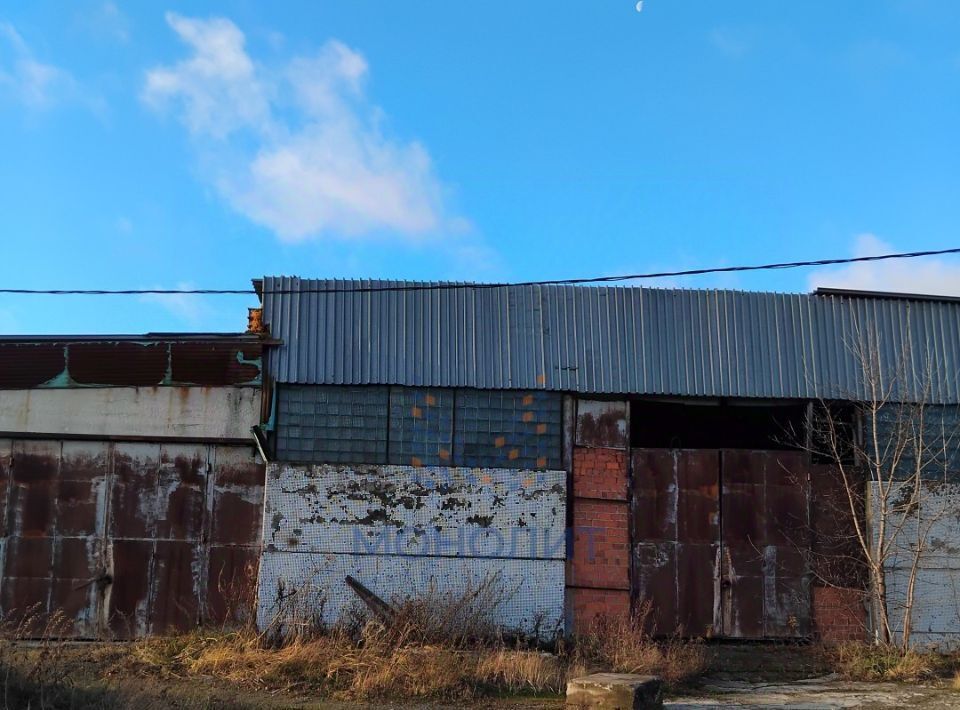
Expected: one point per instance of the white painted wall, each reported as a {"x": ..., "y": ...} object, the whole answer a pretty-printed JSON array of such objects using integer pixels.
[
  {"x": 147, "y": 412},
  {"x": 936, "y": 611}
]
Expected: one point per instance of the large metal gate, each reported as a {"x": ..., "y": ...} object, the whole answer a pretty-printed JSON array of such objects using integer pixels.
[
  {"x": 126, "y": 539},
  {"x": 720, "y": 542}
]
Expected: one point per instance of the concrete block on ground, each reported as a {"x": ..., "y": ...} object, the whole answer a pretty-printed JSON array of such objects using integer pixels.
[{"x": 615, "y": 691}]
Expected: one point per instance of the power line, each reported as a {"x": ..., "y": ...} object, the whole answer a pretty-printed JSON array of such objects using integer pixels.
[{"x": 464, "y": 285}]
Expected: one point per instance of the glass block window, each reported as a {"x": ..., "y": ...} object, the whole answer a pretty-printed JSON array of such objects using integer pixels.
[
  {"x": 508, "y": 429},
  {"x": 421, "y": 426},
  {"x": 326, "y": 424}
]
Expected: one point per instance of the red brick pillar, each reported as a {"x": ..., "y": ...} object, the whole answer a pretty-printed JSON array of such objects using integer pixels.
[{"x": 598, "y": 569}]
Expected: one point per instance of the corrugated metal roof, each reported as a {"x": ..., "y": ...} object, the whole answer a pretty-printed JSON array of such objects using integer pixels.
[{"x": 621, "y": 340}]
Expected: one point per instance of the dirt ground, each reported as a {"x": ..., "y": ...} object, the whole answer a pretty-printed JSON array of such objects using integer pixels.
[{"x": 793, "y": 678}]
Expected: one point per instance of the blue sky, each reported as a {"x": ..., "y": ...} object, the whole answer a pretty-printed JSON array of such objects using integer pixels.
[{"x": 202, "y": 144}]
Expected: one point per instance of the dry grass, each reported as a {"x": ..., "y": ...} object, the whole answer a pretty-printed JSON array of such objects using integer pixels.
[
  {"x": 956, "y": 680},
  {"x": 431, "y": 649},
  {"x": 378, "y": 664},
  {"x": 622, "y": 644},
  {"x": 863, "y": 661}
]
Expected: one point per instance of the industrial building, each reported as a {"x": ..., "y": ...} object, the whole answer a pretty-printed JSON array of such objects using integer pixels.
[
  {"x": 661, "y": 429},
  {"x": 586, "y": 450},
  {"x": 130, "y": 486}
]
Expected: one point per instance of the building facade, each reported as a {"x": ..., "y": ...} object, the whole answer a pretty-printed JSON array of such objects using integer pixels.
[
  {"x": 424, "y": 433},
  {"x": 130, "y": 487},
  {"x": 561, "y": 452}
]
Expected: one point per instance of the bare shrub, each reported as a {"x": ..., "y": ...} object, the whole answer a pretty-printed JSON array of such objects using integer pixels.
[
  {"x": 623, "y": 644},
  {"x": 439, "y": 646}
]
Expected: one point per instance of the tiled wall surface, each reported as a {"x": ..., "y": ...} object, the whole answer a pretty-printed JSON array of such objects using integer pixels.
[{"x": 419, "y": 426}]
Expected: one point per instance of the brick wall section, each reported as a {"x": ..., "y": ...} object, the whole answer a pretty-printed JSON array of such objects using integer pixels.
[
  {"x": 601, "y": 545},
  {"x": 598, "y": 572},
  {"x": 839, "y": 614},
  {"x": 600, "y": 473},
  {"x": 589, "y": 605}
]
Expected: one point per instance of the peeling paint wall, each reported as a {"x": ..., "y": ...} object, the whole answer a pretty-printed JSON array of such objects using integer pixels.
[
  {"x": 936, "y": 611},
  {"x": 404, "y": 531}
]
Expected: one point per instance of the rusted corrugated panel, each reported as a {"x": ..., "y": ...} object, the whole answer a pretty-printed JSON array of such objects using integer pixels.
[
  {"x": 23, "y": 365},
  {"x": 118, "y": 363},
  {"x": 117, "y": 537},
  {"x": 766, "y": 542},
  {"x": 159, "y": 511},
  {"x": 235, "y": 533},
  {"x": 215, "y": 364},
  {"x": 125, "y": 362},
  {"x": 676, "y": 533},
  {"x": 52, "y": 551},
  {"x": 730, "y": 562},
  {"x": 602, "y": 423}
]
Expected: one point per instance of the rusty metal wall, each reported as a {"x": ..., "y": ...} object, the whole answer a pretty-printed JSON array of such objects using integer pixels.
[
  {"x": 130, "y": 362},
  {"x": 721, "y": 540},
  {"x": 765, "y": 543},
  {"x": 404, "y": 530},
  {"x": 127, "y": 539}
]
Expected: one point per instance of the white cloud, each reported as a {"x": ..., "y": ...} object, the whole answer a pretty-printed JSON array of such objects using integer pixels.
[
  {"x": 27, "y": 80},
  {"x": 299, "y": 148},
  {"x": 928, "y": 275}
]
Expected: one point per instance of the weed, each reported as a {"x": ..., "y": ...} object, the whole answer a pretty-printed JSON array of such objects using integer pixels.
[{"x": 863, "y": 661}]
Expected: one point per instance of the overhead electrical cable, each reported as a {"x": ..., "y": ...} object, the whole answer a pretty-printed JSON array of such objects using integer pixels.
[{"x": 468, "y": 285}]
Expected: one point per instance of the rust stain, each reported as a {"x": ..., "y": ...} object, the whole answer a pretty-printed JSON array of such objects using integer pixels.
[
  {"x": 602, "y": 423},
  {"x": 114, "y": 536},
  {"x": 27, "y": 365},
  {"x": 120, "y": 363},
  {"x": 214, "y": 363}
]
